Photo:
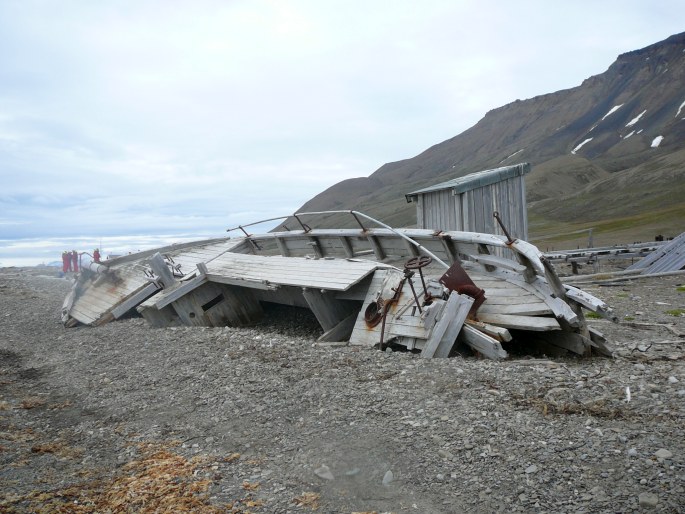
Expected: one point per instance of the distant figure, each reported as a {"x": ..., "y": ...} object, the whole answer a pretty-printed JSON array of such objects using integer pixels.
[
  {"x": 66, "y": 261},
  {"x": 96, "y": 255},
  {"x": 74, "y": 260},
  {"x": 659, "y": 238}
]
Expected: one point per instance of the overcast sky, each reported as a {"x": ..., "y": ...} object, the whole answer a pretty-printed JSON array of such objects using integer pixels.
[{"x": 170, "y": 117}]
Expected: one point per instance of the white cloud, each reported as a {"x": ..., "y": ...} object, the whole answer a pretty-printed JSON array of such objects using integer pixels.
[{"x": 162, "y": 117}]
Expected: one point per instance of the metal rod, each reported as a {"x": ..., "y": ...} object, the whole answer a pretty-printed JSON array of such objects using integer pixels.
[
  {"x": 413, "y": 291},
  {"x": 239, "y": 227},
  {"x": 504, "y": 229}
]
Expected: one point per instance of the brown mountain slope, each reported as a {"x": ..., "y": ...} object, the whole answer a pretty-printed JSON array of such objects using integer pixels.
[{"x": 593, "y": 148}]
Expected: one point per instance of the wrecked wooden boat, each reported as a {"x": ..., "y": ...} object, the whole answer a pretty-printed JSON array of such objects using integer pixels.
[{"x": 418, "y": 289}]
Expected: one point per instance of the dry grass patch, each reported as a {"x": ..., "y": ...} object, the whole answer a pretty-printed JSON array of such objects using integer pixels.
[
  {"x": 308, "y": 500},
  {"x": 158, "y": 481}
]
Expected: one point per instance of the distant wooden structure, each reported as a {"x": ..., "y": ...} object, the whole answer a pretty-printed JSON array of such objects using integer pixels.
[
  {"x": 669, "y": 257},
  {"x": 468, "y": 203}
]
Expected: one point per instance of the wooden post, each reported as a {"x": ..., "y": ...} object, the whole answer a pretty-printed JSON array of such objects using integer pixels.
[{"x": 329, "y": 311}]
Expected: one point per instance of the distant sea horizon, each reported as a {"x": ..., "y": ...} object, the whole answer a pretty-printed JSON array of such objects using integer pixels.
[{"x": 28, "y": 252}]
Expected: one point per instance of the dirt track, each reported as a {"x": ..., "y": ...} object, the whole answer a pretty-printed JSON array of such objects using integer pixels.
[{"x": 125, "y": 418}]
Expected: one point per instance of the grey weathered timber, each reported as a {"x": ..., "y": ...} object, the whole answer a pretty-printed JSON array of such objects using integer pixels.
[
  {"x": 159, "y": 318},
  {"x": 588, "y": 301},
  {"x": 482, "y": 343},
  {"x": 534, "y": 323},
  {"x": 217, "y": 305},
  {"x": 445, "y": 332},
  {"x": 134, "y": 300},
  {"x": 341, "y": 331},
  {"x": 467, "y": 203},
  {"x": 669, "y": 257},
  {"x": 329, "y": 311},
  {"x": 499, "y": 333}
]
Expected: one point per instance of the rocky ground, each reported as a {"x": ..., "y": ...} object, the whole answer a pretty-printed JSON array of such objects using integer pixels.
[{"x": 126, "y": 418}]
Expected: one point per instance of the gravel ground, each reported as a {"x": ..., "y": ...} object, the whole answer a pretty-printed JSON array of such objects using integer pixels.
[{"x": 127, "y": 418}]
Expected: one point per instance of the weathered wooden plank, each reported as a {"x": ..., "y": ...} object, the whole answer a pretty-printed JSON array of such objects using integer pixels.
[
  {"x": 448, "y": 339},
  {"x": 240, "y": 282},
  {"x": 529, "y": 309},
  {"x": 134, "y": 300},
  {"x": 217, "y": 305},
  {"x": 174, "y": 293},
  {"x": 329, "y": 311},
  {"x": 341, "y": 331},
  {"x": 377, "y": 248},
  {"x": 588, "y": 301},
  {"x": 499, "y": 262},
  {"x": 282, "y": 247},
  {"x": 520, "y": 322},
  {"x": 346, "y": 246},
  {"x": 499, "y": 333},
  {"x": 482, "y": 343}
]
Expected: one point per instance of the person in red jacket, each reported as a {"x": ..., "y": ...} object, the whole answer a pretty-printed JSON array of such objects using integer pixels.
[
  {"x": 74, "y": 260},
  {"x": 66, "y": 261},
  {"x": 96, "y": 255}
]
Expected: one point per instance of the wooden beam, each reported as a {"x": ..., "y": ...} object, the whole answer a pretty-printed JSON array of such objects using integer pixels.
[
  {"x": 376, "y": 247},
  {"x": 520, "y": 322},
  {"x": 346, "y": 246},
  {"x": 499, "y": 262},
  {"x": 329, "y": 311},
  {"x": 173, "y": 294},
  {"x": 482, "y": 343},
  {"x": 282, "y": 247},
  {"x": 445, "y": 332},
  {"x": 134, "y": 300},
  {"x": 342, "y": 331},
  {"x": 499, "y": 333}
]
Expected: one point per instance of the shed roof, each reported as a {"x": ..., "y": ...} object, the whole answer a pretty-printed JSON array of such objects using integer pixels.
[{"x": 475, "y": 180}]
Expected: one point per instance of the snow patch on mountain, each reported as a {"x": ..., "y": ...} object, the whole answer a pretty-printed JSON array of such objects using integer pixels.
[
  {"x": 636, "y": 119},
  {"x": 612, "y": 110},
  {"x": 581, "y": 145},
  {"x": 631, "y": 133},
  {"x": 680, "y": 109},
  {"x": 657, "y": 141}
]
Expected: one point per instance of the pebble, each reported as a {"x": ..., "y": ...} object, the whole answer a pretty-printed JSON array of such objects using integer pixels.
[
  {"x": 648, "y": 500},
  {"x": 663, "y": 454},
  {"x": 324, "y": 472},
  {"x": 531, "y": 469},
  {"x": 672, "y": 380},
  {"x": 388, "y": 477}
]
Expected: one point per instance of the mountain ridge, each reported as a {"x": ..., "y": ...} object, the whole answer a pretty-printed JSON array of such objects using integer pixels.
[{"x": 588, "y": 144}]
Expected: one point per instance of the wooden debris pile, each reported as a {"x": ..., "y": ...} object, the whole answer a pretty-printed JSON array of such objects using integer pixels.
[{"x": 420, "y": 289}]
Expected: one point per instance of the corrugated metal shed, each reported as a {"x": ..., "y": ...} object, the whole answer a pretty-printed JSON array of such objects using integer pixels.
[
  {"x": 468, "y": 203},
  {"x": 670, "y": 257}
]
